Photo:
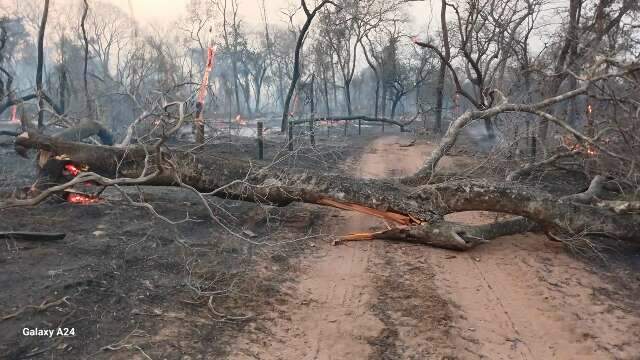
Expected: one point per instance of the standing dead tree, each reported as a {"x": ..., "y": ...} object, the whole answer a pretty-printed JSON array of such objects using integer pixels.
[
  {"x": 501, "y": 105},
  {"x": 40, "y": 93},
  {"x": 586, "y": 36},
  {"x": 446, "y": 57},
  {"x": 310, "y": 15},
  {"x": 483, "y": 34},
  {"x": 39, "y": 70},
  {"x": 85, "y": 11}
]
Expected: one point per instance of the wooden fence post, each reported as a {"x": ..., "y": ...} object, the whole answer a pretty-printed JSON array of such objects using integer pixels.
[{"x": 260, "y": 140}]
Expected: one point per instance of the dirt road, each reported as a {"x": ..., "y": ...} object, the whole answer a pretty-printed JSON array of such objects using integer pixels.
[{"x": 520, "y": 297}]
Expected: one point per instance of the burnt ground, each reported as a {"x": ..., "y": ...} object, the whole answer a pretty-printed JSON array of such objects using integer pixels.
[{"x": 137, "y": 287}]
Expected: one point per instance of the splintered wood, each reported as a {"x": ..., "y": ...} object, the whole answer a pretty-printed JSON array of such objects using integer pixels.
[
  {"x": 387, "y": 215},
  {"x": 400, "y": 219}
]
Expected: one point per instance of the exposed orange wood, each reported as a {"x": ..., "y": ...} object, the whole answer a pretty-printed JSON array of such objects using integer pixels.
[
  {"x": 387, "y": 215},
  {"x": 355, "y": 237}
]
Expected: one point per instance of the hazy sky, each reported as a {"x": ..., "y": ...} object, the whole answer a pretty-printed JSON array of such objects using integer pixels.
[{"x": 154, "y": 12}]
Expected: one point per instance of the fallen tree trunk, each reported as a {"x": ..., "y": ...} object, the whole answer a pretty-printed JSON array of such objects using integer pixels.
[
  {"x": 447, "y": 234},
  {"x": 84, "y": 129},
  {"x": 32, "y": 236},
  {"x": 417, "y": 211},
  {"x": 358, "y": 117},
  {"x": 8, "y": 133}
]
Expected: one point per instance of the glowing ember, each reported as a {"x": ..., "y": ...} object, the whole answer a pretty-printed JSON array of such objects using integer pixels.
[
  {"x": 205, "y": 79},
  {"x": 82, "y": 199},
  {"x": 589, "y": 109},
  {"x": 202, "y": 92},
  {"x": 72, "y": 170},
  {"x": 568, "y": 142}
]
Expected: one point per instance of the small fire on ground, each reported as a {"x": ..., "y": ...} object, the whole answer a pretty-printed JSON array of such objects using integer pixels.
[
  {"x": 72, "y": 170},
  {"x": 572, "y": 145},
  {"x": 82, "y": 199},
  {"x": 76, "y": 197}
]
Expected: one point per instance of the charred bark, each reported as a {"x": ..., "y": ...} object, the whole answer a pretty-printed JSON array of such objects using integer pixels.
[
  {"x": 310, "y": 14},
  {"x": 39, "y": 69},
  {"x": 449, "y": 235},
  {"x": 418, "y": 212}
]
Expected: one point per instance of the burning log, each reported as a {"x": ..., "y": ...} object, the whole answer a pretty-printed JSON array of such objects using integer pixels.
[
  {"x": 75, "y": 197},
  {"x": 418, "y": 211},
  {"x": 575, "y": 146}
]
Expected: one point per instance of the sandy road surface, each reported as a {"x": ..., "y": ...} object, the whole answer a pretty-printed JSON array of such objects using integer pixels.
[{"x": 520, "y": 297}]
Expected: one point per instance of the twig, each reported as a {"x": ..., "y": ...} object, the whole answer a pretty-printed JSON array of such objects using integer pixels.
[{"x": 42, "y": 307}]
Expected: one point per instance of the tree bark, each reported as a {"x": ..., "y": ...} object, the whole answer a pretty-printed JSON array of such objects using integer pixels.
[
  {"x": 443, "y": 66},
  {"x": 39, "y": 68},
  {"x": 85, "y": 39},
  {"x": 439, "y": 97},
  {"x": 296, "y": 59},
  {"x": 417, "y": 212},
  {"x": 358, "y": 118}
]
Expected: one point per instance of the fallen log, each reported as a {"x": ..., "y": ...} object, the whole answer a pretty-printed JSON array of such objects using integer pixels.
[
  {"x": 31, "y": 236},
  {"x": 8, "y": 133},
  {"x": 399, "y": 124},
  {"x": 418, "y": 211},
  {"x": 84, "y": 129},
  {"x": 447, "y": 234}
]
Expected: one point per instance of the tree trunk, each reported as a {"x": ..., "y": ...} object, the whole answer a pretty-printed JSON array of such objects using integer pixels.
[
  {"x": 394, "y": 106},
  {"x": 325, "y": 87},
  {"x": 86, "y": 57},
  {"x": 246, "y": 94},
  {"x": 347, "y": 100},
  {"x": 439, "y": 97},
  {"x": 39, "y": 88},
  {"x": 297, "y": 59},
  {"x": 335, "y": 85},
  {"x": 62, "y": 95},
  {"x": 417, "y": 212},
  {"x": 236, "y": 90}
]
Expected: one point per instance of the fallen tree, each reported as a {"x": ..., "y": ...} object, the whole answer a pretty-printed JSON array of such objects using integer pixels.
[
  {"x": 417, "y": 212},
  {"x": 365, "y": 118},
  {"x": 414, "y": 204}
]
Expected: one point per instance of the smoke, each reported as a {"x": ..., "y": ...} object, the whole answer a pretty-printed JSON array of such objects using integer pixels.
[{"x": 477, "y": 133}]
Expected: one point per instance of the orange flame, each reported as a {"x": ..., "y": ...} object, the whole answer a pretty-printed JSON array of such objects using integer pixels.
[
  {"x": 205, "y": 79},
  {"x": 82, "y": 199},
  {"x": 202, "y": 92},
  {"x": 568, "y": 142},
  {"x": 72, "y": 170}
]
